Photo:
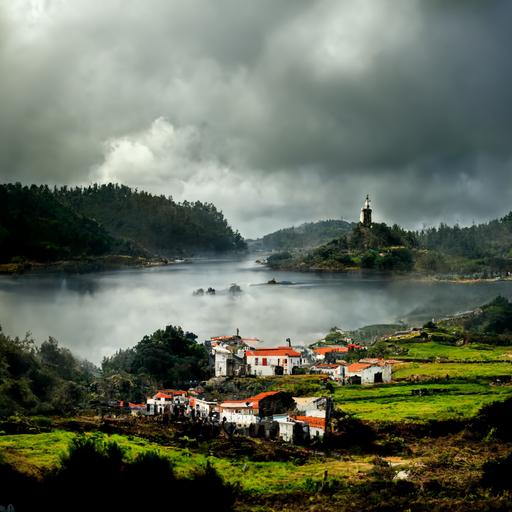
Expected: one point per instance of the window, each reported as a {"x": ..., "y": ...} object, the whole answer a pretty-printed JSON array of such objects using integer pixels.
[
  {"x": 256, "y": 361},
  {"x": 285, "y": 361},
  {"x": 264, "y": 361}
]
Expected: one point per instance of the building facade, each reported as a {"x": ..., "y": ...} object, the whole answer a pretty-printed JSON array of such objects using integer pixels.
[{"x": 272, "y": 361}]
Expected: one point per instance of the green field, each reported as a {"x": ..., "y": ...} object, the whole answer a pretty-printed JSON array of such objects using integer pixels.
[
  {"x": 33, "y": 453},
  {"x": 396, "y": 402},
  {"x": 453, "y": 370},
  {"x": 472, "y": 352}
]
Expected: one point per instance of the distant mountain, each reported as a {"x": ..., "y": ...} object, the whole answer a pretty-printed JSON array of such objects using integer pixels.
[
  {"x": 45, "y": 225},
  {"x": 305, "y": 236}
]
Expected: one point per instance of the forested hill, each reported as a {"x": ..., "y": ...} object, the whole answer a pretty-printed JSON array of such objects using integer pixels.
[
  {"x": 157, "y": 223},
  {"x": 483, "y": 250},
  {"x": 305, "y": 236},
  {"x": 35, "y": 225},
  {"x": 44, "y": 225}
]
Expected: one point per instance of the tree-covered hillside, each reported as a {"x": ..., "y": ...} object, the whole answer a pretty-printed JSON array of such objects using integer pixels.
[
  {"x": 41, "y": 379},
  {"x": 157, "y": 223},
  {"x": 305, "y": 236},
  {"x": 36, "y": 225},
  {"x": 478, "y": 251},
  {"x": 44, "y": 225}
]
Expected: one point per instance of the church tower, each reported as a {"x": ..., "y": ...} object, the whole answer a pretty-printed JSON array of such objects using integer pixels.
[{"x": 366, "y": 213}]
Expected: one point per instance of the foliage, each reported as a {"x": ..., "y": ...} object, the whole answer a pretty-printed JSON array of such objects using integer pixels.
[
  {"x": 41, "y": 379},
  {"x": 477, "y": 251},
  {"x": 115, "y": 481},
  {"x": 308, "y": 235},
  {"x": 35, "y": 224},
  {"x": 40, "y": 224},
  {"x": 168, "y": 357},
  {"x": 155, "y": 222},
  {"x": 495, "y": 319}
]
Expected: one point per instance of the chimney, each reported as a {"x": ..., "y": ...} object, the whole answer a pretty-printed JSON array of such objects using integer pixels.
[{"x": 289, "y": 341}]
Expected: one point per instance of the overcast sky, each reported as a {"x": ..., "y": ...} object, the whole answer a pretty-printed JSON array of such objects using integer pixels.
[{"x": 277, "y": 111}]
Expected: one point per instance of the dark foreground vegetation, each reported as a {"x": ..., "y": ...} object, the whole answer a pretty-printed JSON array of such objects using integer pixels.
[
  {"x": 95, "y": 474},
  {"x": 482, "y": 250},
  {"x": 39, "y": 224}
]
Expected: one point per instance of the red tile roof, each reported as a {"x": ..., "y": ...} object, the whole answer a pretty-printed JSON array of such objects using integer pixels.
[
  {"x": 253, "y": 401},
  {"x": 136, "y": 406},
  {"x": 357, "y": 367},
  {"x": 312, "y": 421},
  {"x": 278, "y": 351},
  {"x": 326, "y": 350}
]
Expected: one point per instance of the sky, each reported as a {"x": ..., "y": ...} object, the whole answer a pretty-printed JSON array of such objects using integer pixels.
[{"x": 277, "y": 111}]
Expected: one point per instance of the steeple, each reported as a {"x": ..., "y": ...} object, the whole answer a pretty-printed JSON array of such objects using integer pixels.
[{"x": 366, "y": 213}]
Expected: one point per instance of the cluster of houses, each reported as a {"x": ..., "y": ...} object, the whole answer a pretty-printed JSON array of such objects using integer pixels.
[
  {"x": 234, "y": 356},
  {"x": 272, "y": 414}
]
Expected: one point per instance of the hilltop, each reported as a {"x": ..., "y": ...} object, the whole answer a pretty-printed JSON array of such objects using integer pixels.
[
  {"x": 43, "y": 225},
  {"x": 305, "y": 236},
  {"x": 479, "y": 251}
]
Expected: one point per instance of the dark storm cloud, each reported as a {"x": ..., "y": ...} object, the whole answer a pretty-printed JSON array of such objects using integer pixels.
[{"x": 277, "y": 111}]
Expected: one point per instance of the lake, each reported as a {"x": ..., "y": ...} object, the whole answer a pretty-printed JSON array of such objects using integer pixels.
[{"x": 96, "y": 314}]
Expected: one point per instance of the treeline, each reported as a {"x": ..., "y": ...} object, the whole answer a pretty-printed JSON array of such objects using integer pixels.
[
  {"x": 305, "y": 236},
  {"x": 42, "y": 224},
  {"x": 48, "y": 379},
  {"x": 167, "y": 358},
  {"x": 35, "y": 225},
  {"x": 483, "y": 250},
  {"x": 492, "y": 323},
  {"x": 43, "y": 379},
  {"x": 156, "y": 222}
]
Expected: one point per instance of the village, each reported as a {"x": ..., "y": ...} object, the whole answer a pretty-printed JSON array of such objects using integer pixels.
[{"x": 271, "y": 414}]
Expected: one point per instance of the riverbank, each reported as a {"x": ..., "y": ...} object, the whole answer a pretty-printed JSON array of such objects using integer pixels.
[
  {"x": 403, "y": 275},
  {"x": 84, "y": 265}
]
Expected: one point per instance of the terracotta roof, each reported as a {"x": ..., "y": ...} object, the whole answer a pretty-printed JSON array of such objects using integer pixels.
[
  {"x": 357, "y": 367},
  {"x": 312, "y": 421},
  {"x": 326, "y": 350},
  {"x": 253, "y": 401},
  {"x": 352, "y": 346},
  {"x": 169, "y": 393},
  {"x": 278, "y": 351},
  {"x": 136, "y": 406}
]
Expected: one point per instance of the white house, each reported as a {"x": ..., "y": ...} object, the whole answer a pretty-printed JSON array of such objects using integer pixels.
[
  {"x": 272, "y": 361},
  {"x": 336, "y": 371},
  {"x": 368, "y": 373},
  {"x": 229, "y": 360},
  {"x": 201, "y": 408},
  {"x": 243, "y": 412},
  {"x": 163, "y": 399}
]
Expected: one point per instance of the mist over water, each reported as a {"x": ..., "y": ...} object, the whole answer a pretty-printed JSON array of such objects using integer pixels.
[{"x": 96, "y": 314}]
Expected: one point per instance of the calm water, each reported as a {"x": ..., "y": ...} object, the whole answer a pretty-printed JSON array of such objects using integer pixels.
[{"x": 95, "y": 314}]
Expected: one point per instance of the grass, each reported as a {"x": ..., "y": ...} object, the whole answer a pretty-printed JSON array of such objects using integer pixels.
[
  {"x": 453, "y": 370},
  {"x": 472, "y": 352},
  {"x": 397, "y": 403},
  {"x": 34, "y": 453}
]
